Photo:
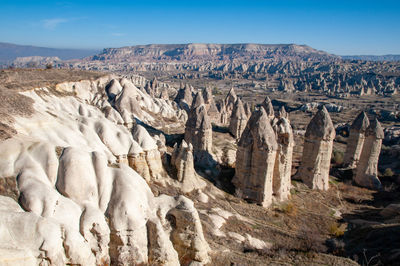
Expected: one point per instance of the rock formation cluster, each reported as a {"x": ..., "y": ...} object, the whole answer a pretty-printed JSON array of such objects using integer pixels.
[
  {"x": 264, "y": 155},
  {"x": 81, "y": 182},
  {"x": 255, "y": 159}
]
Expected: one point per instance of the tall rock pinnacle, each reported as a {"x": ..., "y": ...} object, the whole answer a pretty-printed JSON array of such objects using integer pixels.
[
  {"x": 317, "y": 151},
  {"x": 356, "y": 140},
  {"x": 255, "y": 159}
]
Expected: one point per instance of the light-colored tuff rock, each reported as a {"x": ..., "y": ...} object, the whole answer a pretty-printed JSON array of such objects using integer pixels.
[
  {"x": 248, "y": 109},
  {"x": 211, "y": 107},
  {"x": 224, "y": 115},
  {"x": 29, "y": 239},
  {"x": 132, "y": 104},
  {"x": 81, "y": 204},
  {"x": 269, "y": 109},
  {"x": 164, "y": 94},
  {"x": 255, "y": 160},
  {"x": 198, "y": 130},
  {"x": 127, "y": 103},
  {"x": 184, "y": 97},
  {"x": 230, "y": 101},
  {"x": 283, "y": 163},
  {"x": 186, "y": 232},
  {"x": 355, "y": 141},
  {"x": 151, "y": 154},
  {"x": 282, "y": 113},
  {"x": 367, "y": 169},
  {"x": 317, "y": 151},
  {"x": 183, "y": 161},
  {"x": 113, "y": 89},
  {"x": 238, "y": 120}
]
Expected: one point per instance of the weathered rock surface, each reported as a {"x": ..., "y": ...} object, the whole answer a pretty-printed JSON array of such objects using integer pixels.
[
  {"x": 283, "y": 163},
  {"x": 255, "y": 160},
  {"x": 269, "y": 109},
  {"x": 183, "y": 161},
  {"x": 184, "y": 97},
  {"x": 317, "y": 151},
  {"x": 198, "y": 131},
  {"x": 151, "y": 155},
  {"x": 356, "y": 140},
  {"x": 81, "y": 203},
  {"x": 367, "y": 169},
  {"x": 230, "y": 101},
  {"x": 186, "y": 232},
  {"x": 282, "y": 113},
  {"x": 238, "y": 119},
  {"x": 211, "y": 107}
]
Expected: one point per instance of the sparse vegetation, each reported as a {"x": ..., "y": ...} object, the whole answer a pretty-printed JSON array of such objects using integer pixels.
[
  {"x": 336, "y": 230},
  {"x": 388, "y": 172},
  {"x": 337, "y": 157}
]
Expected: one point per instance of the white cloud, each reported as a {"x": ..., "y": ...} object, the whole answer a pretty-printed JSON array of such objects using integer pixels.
[{"x": 51, "y": 24}]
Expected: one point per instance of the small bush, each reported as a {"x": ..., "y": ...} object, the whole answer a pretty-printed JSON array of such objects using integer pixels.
[
  {"x": 49, "y": 66},
  {"x": 336, "y": 230},
  {"x": 337, "y": 157},
  {"x": 388, "y": 172},
  {"x": 288, "y": 208},
  {"x": 216, "y": 91}
]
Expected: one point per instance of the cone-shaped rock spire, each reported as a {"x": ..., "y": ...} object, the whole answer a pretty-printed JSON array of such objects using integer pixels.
[
  {"x": 269, "y": 109},
  {"x": 367, "y": 169},
  {"x": 356, "y": 140},
  {"x": 283, "y": 162},
  {"x": 184, "y": 97},
  {"x": 211, "y": 107},
  {"x": 198, "y": 129},
  {"x": 317, "y": 151},
  {"x": 238, "y": 119},
  {"x": 255, "y": 159}
]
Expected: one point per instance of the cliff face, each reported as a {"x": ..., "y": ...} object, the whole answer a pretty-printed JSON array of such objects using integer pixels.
[{"x": 204, "y": 51}]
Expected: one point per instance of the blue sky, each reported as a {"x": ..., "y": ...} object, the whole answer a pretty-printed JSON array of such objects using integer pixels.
[{"x": 340, "y": 27}]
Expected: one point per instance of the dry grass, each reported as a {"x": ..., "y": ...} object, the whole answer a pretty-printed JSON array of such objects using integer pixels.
[{"x": 25, "y": 79}]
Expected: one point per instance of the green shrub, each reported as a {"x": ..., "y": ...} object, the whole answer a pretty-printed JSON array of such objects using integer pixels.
[
  {"x": 337, "y": 157},
  {"x": 388, "y": 172}
]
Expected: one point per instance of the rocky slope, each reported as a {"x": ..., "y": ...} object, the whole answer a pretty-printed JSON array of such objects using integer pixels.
[
  {"x": 65, "y": 160},
  {"x": 94, "y": 171}
]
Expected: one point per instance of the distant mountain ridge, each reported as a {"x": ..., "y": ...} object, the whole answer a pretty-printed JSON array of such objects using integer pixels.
[
  {"x": 205, "y": 52},
  {"x": 9, "y": 52},
  {"x": 388, "y": 57}
]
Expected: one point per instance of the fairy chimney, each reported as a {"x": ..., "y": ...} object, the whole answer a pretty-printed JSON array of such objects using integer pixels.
[
  {"x": 211, "y": 107},
  {"x": 356, "y": 140},
  {"x": 367, "y": 169},
  {"x": 283, "y": 162},
  {"x": 255, "y": 159},
  {"x": 238, "y": 120},
  {"x": 198, "y": 129},
  {"x": 269, "y": 109},
  {"x": 317, "y": 151}
]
